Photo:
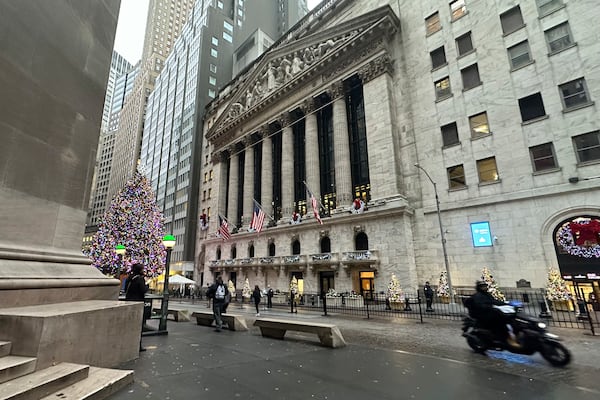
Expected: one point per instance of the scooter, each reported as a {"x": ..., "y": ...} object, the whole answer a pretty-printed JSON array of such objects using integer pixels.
[{"x": 530, "y": 334}]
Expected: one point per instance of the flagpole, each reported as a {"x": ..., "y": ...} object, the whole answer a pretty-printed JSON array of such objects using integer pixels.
[
  {"x": 313, "y": 194},
  {"x": 263, "y": 209}
]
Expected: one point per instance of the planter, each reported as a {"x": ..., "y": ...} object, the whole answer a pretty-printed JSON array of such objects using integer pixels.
[
  {"x": 397, "y": 305},
  {"x": 562, "y": 305},
  {"x": 444, "y": 299},
  {"x": 334, "y": 301},
  {"x": 279, "y": 299},
  {"x": 354, "y": 302}
]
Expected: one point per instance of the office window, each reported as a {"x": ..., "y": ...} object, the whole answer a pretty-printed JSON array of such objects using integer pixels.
[
  {"x": 470, "y": 77},
  {"x": 450, "y": 134},
  {"x": 227, "y": 37},
  {"x": 442, "y": 88},
  {"x": 457, "y": 9},
  {"x": 511, "y": 20},
  {"x": 438, "y": 57},
  {"x": 479, "y": 125},
  {"x": 547, "y": 6},
  {"x": 487, "y": 170},
  {"x": 519, "y": 55},
  {"x": 432, "y": 23},
  {"x": 559, "y": 37},
  {"x": 464, "y": 44},
  {"x": 212, "y": 80},
  {"x": 214, "y": 53},
  {"x": 532, "y": 107},
  {"x": 220, "y": 4},
  {"x": 587, "y": 146},
  {"x": 574, "y": 93},
  {"x": 211, "y": 93},
  {"x": 456, "y": 177},
  {"x": 213, "y": 68},
  {"x": 542, "y": 157},
  {"x": 228, "y": 27},
  {"x": 214, "y": 41}
]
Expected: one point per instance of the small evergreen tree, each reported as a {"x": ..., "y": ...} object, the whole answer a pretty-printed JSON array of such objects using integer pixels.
[
  {"x": 246, "y": 289},
  {"x": 492, "y": 286},
  {"x": 556, "y": 288},
  {"x": 394, "y": 292},
  {"x": 133, "y": 220},
  {"x": 443, "y": 289}
]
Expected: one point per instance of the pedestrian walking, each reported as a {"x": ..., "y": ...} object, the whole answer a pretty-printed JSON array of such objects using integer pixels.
[
  {"x": 256, "y": 297},
  {"x": 270, "y": 297},
  {"x": 428, "y": 297},
  {"x": 218, "y": 292},
  {"x": 135, "y": 290}
]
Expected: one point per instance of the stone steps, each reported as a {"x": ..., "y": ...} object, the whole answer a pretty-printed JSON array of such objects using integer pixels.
[
  {"x": 12, "y": 367},
  {"x": 4, "y": 348},
  {"x": 100, "y": 383}
]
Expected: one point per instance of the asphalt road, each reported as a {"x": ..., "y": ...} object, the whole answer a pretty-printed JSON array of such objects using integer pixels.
[{"x": 384, "y": 359}]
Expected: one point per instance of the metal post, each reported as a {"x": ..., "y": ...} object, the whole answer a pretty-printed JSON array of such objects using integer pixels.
[{"x": 164, "y": 311}]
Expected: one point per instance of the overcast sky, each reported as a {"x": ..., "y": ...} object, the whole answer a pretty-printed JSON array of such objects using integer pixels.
[{"x": 132, "y": 24}]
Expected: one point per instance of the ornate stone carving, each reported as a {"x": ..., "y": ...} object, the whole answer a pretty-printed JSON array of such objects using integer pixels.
[
  {"x": 218, "y": 157},
  {"x": 285, "y": 119},
  {"x": 337, "y": 90},
  {"x": 308, "y": 106},
  {"x": 379, "y": 66}
]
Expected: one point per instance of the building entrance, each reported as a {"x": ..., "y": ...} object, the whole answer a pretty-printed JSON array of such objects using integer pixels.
[{"x": 367, "y": 284}]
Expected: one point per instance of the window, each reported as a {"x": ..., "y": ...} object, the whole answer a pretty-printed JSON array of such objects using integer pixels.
[
  {"x": 212, "y": 80},
  {"x": 532, "y": 107},
  {"x": 220, "y": 4},
  {"x": 519, "y": 55},
  {"x": 213, "y": 68},
  {"x": 228, "y": 27},
  {"x": 438, "y": 57},
  {"x": 442, "y": 88},
  {"x": 456, "y": 177},
  {"x": 464, "y": 44},
  {"x": 227, "y": 37},
  {"x": 547, "y": 6},
  {"x": 542, "y": 157},
  {"x": 559, "y": 37},
  {"x": 211, "y": 93},
  {"x": 470, "y": 77},
  {"x": 432, "y": 23},
  {"x": 214, "y": 41},
  {"x": 214, "y": 52},
  {"x": 574, "y": 93},
  {"x": 450, "y": 134},
  {"x": 487, "y": 170},
  {"x": 511, "y": 20},
  {"x": 457, "y": 9},
  {"x": 479, "y": 125},
  {"x": 587, "y": 146}
]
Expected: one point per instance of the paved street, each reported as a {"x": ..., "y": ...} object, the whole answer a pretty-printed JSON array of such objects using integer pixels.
[{"x": 384, "y": 359}]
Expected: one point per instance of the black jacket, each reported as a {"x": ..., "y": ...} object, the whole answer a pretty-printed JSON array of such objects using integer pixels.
[
  {"x": 256, "y": 295},
  {"x": 212, "y": 290},
  {"x": 135, "y": 288},
  {"x": 428, "y": 292},
  {"x": 481, "y": 303}
]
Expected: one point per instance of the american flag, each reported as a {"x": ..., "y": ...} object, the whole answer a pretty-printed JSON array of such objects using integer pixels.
[
  {"x": 224, "y": 229},
  {"x": 258, "y": 218},
  {"x": 315, "y": 207}
]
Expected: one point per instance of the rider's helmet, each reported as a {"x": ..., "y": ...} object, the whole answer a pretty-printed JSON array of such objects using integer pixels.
[{"x": 481, "y": 286}]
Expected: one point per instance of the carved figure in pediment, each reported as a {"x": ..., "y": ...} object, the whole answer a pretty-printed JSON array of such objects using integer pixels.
[
  {"x": 323, "y": 47},
  {"x": 308, "y": 58},
  {"x": 249, "y": 99},
  {"x": 269, "y": 77},
  {"x": 285, "y": 69},
  {"x": 236, "y": 110},
  {"x": 257, "y": 91},
  {"x": 297, "y": 64}
]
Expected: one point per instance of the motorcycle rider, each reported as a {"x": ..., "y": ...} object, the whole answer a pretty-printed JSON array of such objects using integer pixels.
[{"x": 481, "y": 307}]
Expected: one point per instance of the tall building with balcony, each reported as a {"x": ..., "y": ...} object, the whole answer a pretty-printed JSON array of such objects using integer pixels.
[
  {"x": 384, "y": 111},
  {"x": 172, "y": 151}
]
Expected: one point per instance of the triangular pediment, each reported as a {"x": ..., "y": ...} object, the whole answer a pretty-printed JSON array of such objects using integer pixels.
[{"x": 293, "y": 62}]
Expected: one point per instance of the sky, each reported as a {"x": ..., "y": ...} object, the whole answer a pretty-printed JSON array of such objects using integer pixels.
[{"x": 132, "y": 24}]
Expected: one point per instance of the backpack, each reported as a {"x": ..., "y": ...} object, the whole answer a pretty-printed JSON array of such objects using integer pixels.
[{"x": 220, "y": 292}]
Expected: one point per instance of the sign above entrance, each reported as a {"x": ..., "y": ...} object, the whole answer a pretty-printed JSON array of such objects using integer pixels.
[{"x": 480, "y": 233}]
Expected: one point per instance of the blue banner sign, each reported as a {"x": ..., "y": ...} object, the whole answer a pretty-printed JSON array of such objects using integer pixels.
[{"x": 480, "y": 232}]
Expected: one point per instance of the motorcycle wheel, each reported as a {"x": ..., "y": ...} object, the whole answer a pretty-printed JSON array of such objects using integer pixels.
[
  {"x": 477, "y": 345},
  {"x": 555, "y": 353}
]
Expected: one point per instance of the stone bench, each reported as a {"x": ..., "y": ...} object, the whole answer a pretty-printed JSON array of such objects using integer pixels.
[
  {"x": 329, "y": 335},
  {"x": 183, "y": 315},
  {"x": 234, "y": 322}
]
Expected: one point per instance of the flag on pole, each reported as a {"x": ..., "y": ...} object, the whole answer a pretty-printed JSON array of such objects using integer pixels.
[
  {"x": 224, "y": 229},
  {"x": 315, "y": 207},
  {"x": 258, "y": 217}
]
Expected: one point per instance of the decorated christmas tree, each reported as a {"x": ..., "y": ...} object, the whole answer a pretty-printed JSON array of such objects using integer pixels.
[
  {"x": 492, "y": 286},
  {"x": 556, "y": 288},
  {"x": 394, "y": 292},
  {"x": 246, "y": 289},
  {"x": 443, "y": 289},
  {"x": 231, "y": 288},
  {"x": 134, "y": 221}
]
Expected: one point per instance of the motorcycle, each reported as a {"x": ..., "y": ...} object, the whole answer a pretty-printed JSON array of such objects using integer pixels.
[{"x": 530, "y": 332}]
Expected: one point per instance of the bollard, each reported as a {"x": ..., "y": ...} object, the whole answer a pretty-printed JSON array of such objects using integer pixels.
[{"x": 324, "y": 305}]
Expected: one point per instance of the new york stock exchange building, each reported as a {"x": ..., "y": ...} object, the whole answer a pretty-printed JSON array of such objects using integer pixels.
[{"x": 376, "y": 111}]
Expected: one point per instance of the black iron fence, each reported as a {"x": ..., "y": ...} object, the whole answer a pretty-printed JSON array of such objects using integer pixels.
[{"x": 573, "y": 313}]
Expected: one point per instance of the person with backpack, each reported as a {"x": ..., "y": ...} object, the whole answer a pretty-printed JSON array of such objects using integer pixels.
[{"x": 218, "y": 292}]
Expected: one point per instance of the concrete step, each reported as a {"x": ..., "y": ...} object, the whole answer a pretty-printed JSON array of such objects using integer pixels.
[
  {"x": 43, "y": 382},
  {"x": 100, "y": 384},
  {"x": 12, "y": 367},
  {"x": 4, "y": 348}
]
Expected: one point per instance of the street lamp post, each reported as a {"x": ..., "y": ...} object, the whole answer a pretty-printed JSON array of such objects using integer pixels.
[
  {"x": 120, "y": 250},
  {"x": 169, "y": 243},
  {"x": 442, "y": 235}
]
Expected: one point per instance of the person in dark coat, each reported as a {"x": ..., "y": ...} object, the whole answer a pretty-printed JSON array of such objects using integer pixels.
[
  {"x": 269, "y": 297},
  {"x": 428, "y": 296},
  {"x": 218, "y": 292},
  {"x": 256, "y": 297},
  {"x": 481, "y": 307},
  {"x": 135, "y": 289}
]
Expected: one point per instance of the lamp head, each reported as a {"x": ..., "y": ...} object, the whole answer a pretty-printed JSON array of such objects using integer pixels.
[
  {"x": 120, "y": 249},
  {"x": 169, "y": 241}
]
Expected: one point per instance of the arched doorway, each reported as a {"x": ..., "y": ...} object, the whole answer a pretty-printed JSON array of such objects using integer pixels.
[{"x": 361, "y": 241}]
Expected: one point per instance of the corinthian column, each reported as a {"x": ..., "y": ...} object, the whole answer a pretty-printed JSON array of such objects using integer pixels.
[
  {"x": 341, "y": 143},
  {"x": 233, "y": 188},
  {"x": 248, "y": 181},
  {"x": 287, "y": 168},
  {"x": 266, "y": 188},
  {"x": 311, "y": 158}
]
